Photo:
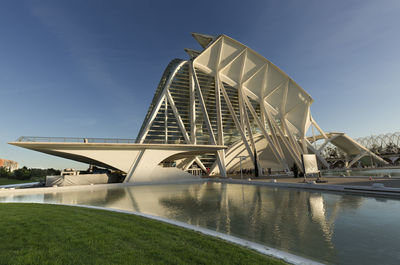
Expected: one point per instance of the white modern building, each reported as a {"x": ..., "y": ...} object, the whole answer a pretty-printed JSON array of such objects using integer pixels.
[{"x": 224, "y": 102}]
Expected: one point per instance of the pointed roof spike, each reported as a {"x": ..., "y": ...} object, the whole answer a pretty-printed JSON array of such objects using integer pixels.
[
  {"x": 192, "y": 53},
  {"x": 203, "y": 39}
]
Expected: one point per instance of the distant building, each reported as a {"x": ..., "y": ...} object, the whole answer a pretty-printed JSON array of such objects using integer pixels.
[{"x": 8, "y": 164}]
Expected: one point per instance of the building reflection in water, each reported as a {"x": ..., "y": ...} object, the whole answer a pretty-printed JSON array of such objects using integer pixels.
[{"x": 296, "y": 221}]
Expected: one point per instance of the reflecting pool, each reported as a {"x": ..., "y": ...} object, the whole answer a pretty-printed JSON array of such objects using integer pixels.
[{"x": 326, "y": 227}]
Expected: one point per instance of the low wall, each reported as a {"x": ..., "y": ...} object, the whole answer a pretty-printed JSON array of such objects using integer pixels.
[{"x": 76, "y": 180}]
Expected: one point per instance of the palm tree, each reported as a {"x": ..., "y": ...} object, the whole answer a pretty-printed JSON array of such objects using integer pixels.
[{"x": 376, "y": 149}]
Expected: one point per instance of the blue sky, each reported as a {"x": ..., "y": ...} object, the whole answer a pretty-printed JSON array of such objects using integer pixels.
[{"x": 90, "y": 68}]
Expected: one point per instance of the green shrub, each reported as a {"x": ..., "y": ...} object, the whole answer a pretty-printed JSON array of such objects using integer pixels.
[
  {"x": 4, "y": 173},
  {"x": 22, "y": 173}
]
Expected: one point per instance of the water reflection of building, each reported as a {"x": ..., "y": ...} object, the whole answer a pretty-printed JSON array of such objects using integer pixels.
[{"x": 291, "y": 220}]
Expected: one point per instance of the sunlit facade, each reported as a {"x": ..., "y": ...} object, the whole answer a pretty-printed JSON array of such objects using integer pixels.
[
  {"x": 224, "y": 108},
  {"x": 227, "y": 94}
]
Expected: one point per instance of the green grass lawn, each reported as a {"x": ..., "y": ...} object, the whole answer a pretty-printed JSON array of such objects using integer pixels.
[
  {"x": 55, "y": 234},
  {"x": 6, "y": 181}
]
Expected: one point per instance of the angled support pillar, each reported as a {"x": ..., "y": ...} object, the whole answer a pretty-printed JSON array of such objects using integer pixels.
[
  {"x": 221, "y": 165},
  {"x": 358, "y": 157},
  {"x": 151, "y": 119},
  {"x": 146, "y": 166},
  {"x": 327, "y": 141},
  {"x": 284, "y": 138},
  {"x": 200, "y": 164},
  {"x": 188, "y": 164},
  {"x": 242, "y": 106},
  {"x": 291, "y": 148},
  {"x": 317, "y": 153},
  {"x": 267, "y": 137},
  {"x": 166, "y": 120},
  {"x": 178, "y": 117},
  {"x": 235, "y": 120},
  {"x": 272, "y": 126},
  {"x": 220, "y": 128},
  {"x": 192, "y": 107},
  {"x": 134, "y": 166},
  {"x": 250, "y": 133},
  {"x": 292, "y": 140},
  {"x": 155, "y": 110},
  {"x": 203, "y": 107},
  {"x": 246, "y": 124},
  {"x": 182, "y": 127},
  {"x": 318, "y": 128}
]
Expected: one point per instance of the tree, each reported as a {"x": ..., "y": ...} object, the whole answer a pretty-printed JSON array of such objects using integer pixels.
[
  {"x": 376, "y": 149},
  {"x": 332, "y": 152},
  {"x": 391, "y": 149},
  {"x": 4, "y": 173},
  {"x": 22, "y": 173}
]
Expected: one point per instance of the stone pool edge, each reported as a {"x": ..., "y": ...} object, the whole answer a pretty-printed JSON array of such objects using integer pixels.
[{"x": 392, "y": 193}]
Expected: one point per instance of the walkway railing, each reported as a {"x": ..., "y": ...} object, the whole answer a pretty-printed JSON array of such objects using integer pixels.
[{"x": 40, "y": 139}]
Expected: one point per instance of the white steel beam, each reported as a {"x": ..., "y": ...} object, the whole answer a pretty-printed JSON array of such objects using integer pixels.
[
  {"x": 178, "y": 117},
  {"x": 271, "y": 121},
  {"x": 220, "y": 128},
  {"x": 288, "y": 145},
  {"x": 318, "y": 128},
  {"x": 220, "y": 159},
  {"x": 241, "y": 104},
  {"x": 327, "y": 141},
  {"x": 159, "y": 102},
  {"x": 247, "y": 124},
  {"x": 274, "y": 136},
  {"x": 292, "y": 140},
  {"x": 267, "y": 137},
  {"x": 166, "y": 120},
  {"x": 235, "y": 120},
  {"x": 189, "y": 164},
  {"x": 200, "y": 164},
  {"x": 203, "y": 107},
  {"x": 151, "y": 119},
  {"x": 317, "y": 153},
  {"x": 358, "y": 157},
  {"x": 284, "y": 98},
  {"x": 192, "y": 108}
]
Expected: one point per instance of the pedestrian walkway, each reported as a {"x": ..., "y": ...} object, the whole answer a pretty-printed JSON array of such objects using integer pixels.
[{"x": 331, "y": 180}]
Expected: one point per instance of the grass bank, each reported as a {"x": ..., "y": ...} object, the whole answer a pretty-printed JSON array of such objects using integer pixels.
[
  {"x": 6, "y": 181},
  {"x": 55, "y": 234}
]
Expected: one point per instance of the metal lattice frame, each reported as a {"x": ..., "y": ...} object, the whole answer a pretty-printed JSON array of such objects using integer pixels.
[{"x": 382, "y": 140}]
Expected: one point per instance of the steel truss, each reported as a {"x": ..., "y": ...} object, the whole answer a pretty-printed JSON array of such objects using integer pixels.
[{"x": 228, "y": 94}]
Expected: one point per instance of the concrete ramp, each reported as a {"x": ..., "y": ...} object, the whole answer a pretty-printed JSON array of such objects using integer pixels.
[
  {"x": 354, "y": 150},
  {"x": 76, "y": 180}
]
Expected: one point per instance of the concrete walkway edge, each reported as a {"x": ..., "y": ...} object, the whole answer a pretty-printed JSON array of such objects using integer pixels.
[{"x": 350, "y": 189}]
